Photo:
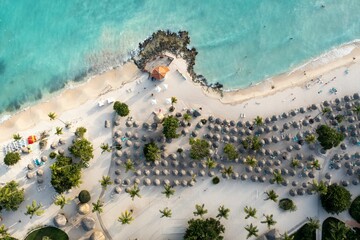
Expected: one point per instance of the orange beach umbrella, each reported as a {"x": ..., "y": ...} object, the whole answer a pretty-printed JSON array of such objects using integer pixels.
[
  {"x": 31, "y": 139},
  {"x": 159, "y": 72}
]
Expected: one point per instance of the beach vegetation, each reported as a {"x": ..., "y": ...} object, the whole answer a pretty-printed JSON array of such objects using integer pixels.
[
  {"x": 173, "y": 101},
  {"x": 11, "y": 158},
  {"x": 356, "y": 110},
  {"x": 61, "y": 201},
  {"x": 278, "y": 178},
  {"x": 250, "y": 161},
  {"x": 230, "y": 151},
  {"x": 65, "y": 174},
  {"x": 215, "y": 180},
  {"x": 258, "y": 121},
  {"x": 315, "y": 164},
  {"x": 58, "y": 131},
  {"x": 252, "y": 230},
  {"x": 11, "y": 196},
  {"x": 269, "y": 220},
  {"x": 336, "y": 200},
  {"x": 151, "y": 152},
  {"x": 333, "y": 228},
  {"x": 250, "y": 212},
  {"x": 34, "y": 209},
  {"x": 105, "y": 182},
  {"x": 286, "y": 236},
  {"x": 126, "y": 217},
  {"x": 166, "y": 212},
  {"x": 53, "y": 155},
  {"x": 52, "y": 116},
  {"x": 80, "y": 132},
  {"x": 228, "y": 171},
  {"x": 295, "y": 163},
  {"x": 122, "y": 109},
  {"x": 252, "y": 143},
  {"x": 271, "y": 195},
  {"x": 200, "y": 148},
  {"x": 329, "y": 137},
  {"x": 17, "y": 137},
  {"x": 129, "y": 165},
  {"x": 4, "y": 233},
  {"x": 326, "y": 110},
  {"x": 84, "y": 196},
  {"x": 105, "y": 147},
  {"x": 354, "y": 209},
  {"x": 200, "y": 210},
  {"x": 168, "y": 190},
  {"x": 204, "y": 229},
  {"x": 310, "y": 139},
  {"x": 210, "y": 163},
  {"x": 187, "y": 117},
  {"x": 339, "y": 118},
  {"x": 134, "y": 192},
  {"x": 170, "y": 126},
  {"x": 319, "y": 187},
  {"x": 223, "y": 212},
  {"x": 305, "y": 232},
  {"x": 287, "y": 204},
  {"x": 82, "y": 149},
  {"x": 98, "y": 206}
]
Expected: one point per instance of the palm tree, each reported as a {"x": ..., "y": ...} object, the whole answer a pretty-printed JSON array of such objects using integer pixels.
[
  {"x": 105, "y": 148},
  {"x": 166, "y": 212},
  {"x": 129, "y": 165},
  {"x": 314, "y": 224},
  {"x": 310, "y": 139},
  {"x": 326, "y": 110},
  {"x": 17, "y": 137},
  {"x": 252, "y": 230},
  {"x": 269, "y": 220},
  {"x": 173, "y": 101},
  {"x": 356, "y": 109},
  {"x": 61, "y": 201},
  {"x": 315, "y": 164},
  {"x": 210, "y": 163},
  {"x": 251, "y": 161},
  {"x": 295, "y": 163},
  {"x": 168, "y": 190},
  {"x": 278, "y": 178},
  {"x": 271, "y": 195},
  {"x": 250, "y": 212},
  {"x": 105, "y": 181},
  {"x": 223, "y": 212},
  {"x": 59, "y": 131},
  {"x": 4, "y": 232},
  {"x": 286, "y": 236},
  {"x": 52, "y": 116},
  {"x": 319, "y": 187},
  {"x": 126, "y": 218},
  {"x": 134, "y": 192},
  {"x": 338, "y": 230},
  {"x": 258, "y": 121},
  {"x": 228, "y": 171},
  {"x": 187, "y": 117},
  {"x": 34, "y": 209},
  {"x": 200, "y": 210},
  {"x": 98, "y": 206}
]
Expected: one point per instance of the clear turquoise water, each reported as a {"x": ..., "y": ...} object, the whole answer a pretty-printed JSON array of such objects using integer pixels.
[{"x": 44, "y": 43}]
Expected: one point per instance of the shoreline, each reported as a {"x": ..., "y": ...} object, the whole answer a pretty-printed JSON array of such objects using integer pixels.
[{"x": 74, "y": 91}]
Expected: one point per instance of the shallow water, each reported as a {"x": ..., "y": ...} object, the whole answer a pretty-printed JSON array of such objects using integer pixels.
[{"x": 43, "y": 44}]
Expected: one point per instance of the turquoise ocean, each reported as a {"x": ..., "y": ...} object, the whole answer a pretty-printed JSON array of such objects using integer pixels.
[{"x": 45, "y": 43}]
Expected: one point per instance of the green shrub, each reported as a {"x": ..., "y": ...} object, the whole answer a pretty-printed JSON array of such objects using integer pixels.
[
  {"x": 336, "y": 200},
  {"x": 84, "y": 196},
  {"x": 151, "y": 152},
  {"x": 83, "y": 149},
  {"x": 11, "y": 196},
  {"x": 204, "y": 229},
  {"x": 170, "y": 126},
  {"x": 354, "y": 209},
  {"x": 329, "y": 137},
  {"x": 80, "y": 132},
  {"x": 52, "y": 155},
  {"x": 11, "y": 158},
  {"x": 121, "y": 109},
  {"x": 215, "y": 180},
  {"x": 199, "y": 148},
  {"x": 230, "y": 151},
  {"x": 333, "y": 228},
  {"x": 305, "y": 233},
  {"x": 287, "y": 204}
]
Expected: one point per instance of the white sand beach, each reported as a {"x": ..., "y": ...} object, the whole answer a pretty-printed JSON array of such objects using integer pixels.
[{"x": 80, "y": 106}]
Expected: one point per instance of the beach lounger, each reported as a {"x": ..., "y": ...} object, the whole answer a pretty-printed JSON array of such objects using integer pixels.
[
  {"x": 101, "y": 103},
  {"x": 110, "y": 100}
]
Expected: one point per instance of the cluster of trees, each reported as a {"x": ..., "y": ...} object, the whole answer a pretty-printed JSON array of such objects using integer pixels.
[
  {"x": 200, "y": 148},
  {"x": 333, "y": 228},
  {"x": 170, "y": 126},
  {"x": 121, "y": 109},
  {"x": 11, "y": 196},
  {"x": 151, "y": 152},
  {"x": 336, "y": 199},
  {"x": 82, "y": 149},
  {"x": 11, "y": 158},
  {"x": 230, "y": 151},
  {"x": 329, "y": 137},
  {"x": 252, "y": 143}
]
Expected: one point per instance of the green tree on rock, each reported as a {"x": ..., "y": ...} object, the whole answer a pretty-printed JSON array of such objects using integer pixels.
[
  {"x": 204, "y": 229},
  {"x": 200, "y": 148},
  {"x": 170, "y": 126},
  {"x": 82, "y": 149},
  {"x": 336, "y": 200},
  {"x": 151, "y": 152},
  {"x": 11, "y": 196},
  {"x": 11, "y": 158},
  {"x": 329, "y": 137},
  {"x": 121, "y": 109}
]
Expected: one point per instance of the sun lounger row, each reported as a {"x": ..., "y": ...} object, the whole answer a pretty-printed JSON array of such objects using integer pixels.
[{"x": 14, "y": 146}]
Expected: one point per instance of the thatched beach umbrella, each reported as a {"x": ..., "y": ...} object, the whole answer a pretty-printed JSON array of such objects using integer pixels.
[
  {"x": 355, "y": 181},
  {"x": 274, "y": 118},
  {"x": 300, "y": 191},
  {"x": 292, "y": 192},
  {"x": 254, "y": 178},
  {"x": 117, "y": 180},
  {"x": 184, "y": 183},
  {"x": 117, "y": 189},
  {"x": 302, "y": 110},
  {"x": 30, "y": 175},
  {"x": 294, "y": 183},
  {"x": 60, "y": 220},
  {"x": 345, "y": 183},
  {"x": 118, "y": 171},
  {"x": 286, "y": 126},
  {"x": 244, "y": 177},
  {"x": 211, "y": 173},
  {"x": 157, "y": 182},
  {"x": 147, "y": 182}
]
